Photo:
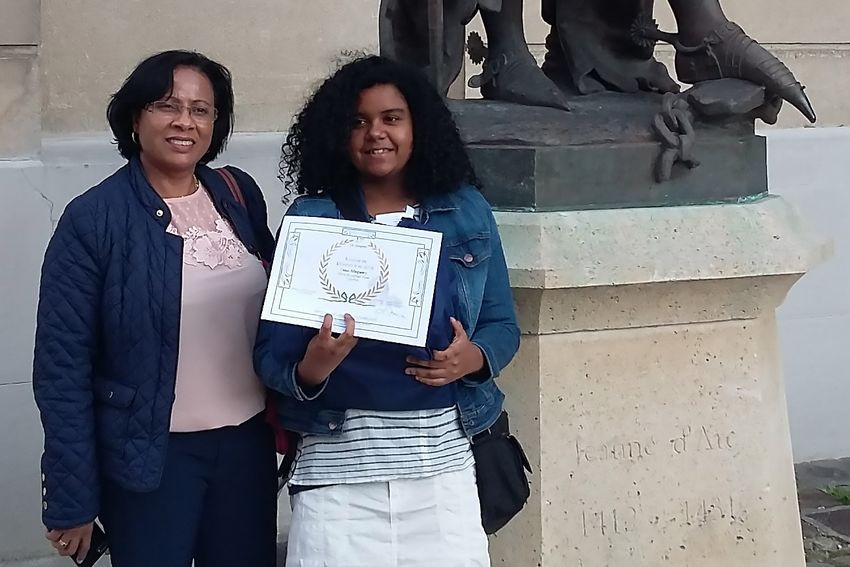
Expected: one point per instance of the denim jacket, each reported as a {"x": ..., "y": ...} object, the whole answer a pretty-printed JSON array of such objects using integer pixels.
[{"x": 474, "y": 248}]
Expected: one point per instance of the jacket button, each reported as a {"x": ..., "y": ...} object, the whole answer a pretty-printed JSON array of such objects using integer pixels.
[
  {"x": 159, "y": 213},
  {"x": 44, "y": 492},
  {"x": 333, "y": 425},
  {"x": 468, "y": 258},
  {"x": 44, "y": 505},
  {"x": 43, "y": 478}
]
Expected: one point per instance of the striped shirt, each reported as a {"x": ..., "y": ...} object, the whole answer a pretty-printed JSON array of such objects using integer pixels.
[{"x": 382, "y": 446}]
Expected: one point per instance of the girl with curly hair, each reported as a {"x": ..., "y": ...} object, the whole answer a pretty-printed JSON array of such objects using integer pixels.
[{"x": 384, "y": 474}]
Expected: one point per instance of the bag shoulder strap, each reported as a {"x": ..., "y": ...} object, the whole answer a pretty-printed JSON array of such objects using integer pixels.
[
  {"x": 233, "y": 185},
  {"x": 236, "y": 191}
]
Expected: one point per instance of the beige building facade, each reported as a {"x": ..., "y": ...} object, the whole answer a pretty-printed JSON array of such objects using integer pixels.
[{"x": 61, "y": 59}]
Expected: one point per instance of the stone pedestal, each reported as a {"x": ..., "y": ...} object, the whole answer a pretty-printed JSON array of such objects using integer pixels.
[
  {"x": 604, "y": 154},
  {"x": 647, "y": 389}
]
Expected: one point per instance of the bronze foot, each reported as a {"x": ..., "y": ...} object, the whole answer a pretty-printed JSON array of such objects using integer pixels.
[
  {"x": 517, "y": 78},
  {"x": 728, "y": 52}
]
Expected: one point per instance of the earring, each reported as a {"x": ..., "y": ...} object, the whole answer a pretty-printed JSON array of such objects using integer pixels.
[{"x": 136, "y": 138}]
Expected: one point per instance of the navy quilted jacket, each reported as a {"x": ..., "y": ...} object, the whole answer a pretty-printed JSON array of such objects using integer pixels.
[{"x": 107, "y": 336}]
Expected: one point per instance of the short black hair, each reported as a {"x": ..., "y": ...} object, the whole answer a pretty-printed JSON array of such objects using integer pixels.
[
  {"x": 315, "y": 156},
  {"x": 153, "y": 79}
]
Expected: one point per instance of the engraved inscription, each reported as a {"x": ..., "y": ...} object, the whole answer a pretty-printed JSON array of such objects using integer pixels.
[
  {"x": 608, "y": 522},
  {"x": 615, "y": 450},
  {"x": 699, "y": 512},
  {"x": 701, "y": 438},
  {"x": 695, "y": 512}
]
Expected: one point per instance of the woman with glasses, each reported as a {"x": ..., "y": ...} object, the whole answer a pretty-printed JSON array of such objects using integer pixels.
[{"x": 150, "y": 296}]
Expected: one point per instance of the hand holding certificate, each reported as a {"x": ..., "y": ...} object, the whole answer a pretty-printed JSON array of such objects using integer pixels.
[
  {"x": 383, "y": 276},
  {"x": 460, "y": 359},
  {"x": 325, "y": 352}
]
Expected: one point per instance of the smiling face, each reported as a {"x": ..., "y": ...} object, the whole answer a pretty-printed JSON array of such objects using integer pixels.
[
  {"x": 381, "y": 141},
  {"x": 176, "y": 140}
]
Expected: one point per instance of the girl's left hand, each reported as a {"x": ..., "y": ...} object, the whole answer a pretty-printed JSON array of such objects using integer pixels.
[{"x": 460, "y": 359}]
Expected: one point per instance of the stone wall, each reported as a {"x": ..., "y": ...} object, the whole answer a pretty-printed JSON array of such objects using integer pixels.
[
  {"x": 274, "y": 49},
  {"x": 20, "y": 93}
]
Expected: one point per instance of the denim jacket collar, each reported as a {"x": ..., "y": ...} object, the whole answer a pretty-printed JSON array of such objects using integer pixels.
[{"x": 431, "y": 204}]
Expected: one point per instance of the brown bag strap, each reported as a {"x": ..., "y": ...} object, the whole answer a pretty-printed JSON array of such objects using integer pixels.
[{"x": 233, "y": 185}]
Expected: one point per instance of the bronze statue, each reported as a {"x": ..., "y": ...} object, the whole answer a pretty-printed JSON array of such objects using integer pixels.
[{"x": 592, "y": 46}]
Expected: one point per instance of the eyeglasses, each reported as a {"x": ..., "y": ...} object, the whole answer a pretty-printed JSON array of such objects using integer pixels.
[{"x": 199, "y": 112}]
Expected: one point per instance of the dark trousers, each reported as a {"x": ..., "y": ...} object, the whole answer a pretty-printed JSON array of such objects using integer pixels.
[{"x": 217, "y": 504}]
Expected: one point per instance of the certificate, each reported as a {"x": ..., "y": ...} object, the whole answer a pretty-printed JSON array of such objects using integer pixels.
[{"x": 383, "y": 276}]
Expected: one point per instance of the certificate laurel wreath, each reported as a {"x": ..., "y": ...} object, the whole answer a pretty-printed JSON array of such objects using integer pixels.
[{"x": 363, "y": 297}]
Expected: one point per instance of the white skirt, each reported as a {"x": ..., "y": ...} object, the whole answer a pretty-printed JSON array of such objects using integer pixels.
[{"x": 421, "y": 522}]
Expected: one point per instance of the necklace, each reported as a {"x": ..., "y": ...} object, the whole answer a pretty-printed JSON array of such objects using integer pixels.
[{"x": 196, "y": 184}]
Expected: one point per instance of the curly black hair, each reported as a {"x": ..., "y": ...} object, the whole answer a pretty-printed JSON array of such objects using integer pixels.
[
  {"x": 153, "y": 79},
  {"x": 315, "y": 156}
]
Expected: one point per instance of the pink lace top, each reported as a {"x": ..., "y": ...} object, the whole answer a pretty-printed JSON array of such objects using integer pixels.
[{"x": 223, "y": 287}]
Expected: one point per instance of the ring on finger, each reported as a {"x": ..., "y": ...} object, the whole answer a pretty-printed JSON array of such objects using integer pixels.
[{"x": 63, "y": 543}]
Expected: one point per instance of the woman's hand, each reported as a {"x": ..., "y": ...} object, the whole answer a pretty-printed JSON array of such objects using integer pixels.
[
  {"x": 325, "y": 352},
  {"x": 74, "y": 542},
  {"x": 462, "y": 358}
]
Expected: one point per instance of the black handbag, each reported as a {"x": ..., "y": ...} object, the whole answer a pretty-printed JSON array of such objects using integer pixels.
[{"x": 500, "y": 469}]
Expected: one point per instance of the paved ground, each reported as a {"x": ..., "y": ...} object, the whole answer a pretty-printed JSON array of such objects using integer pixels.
[{"x": 826, "y": 521}]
